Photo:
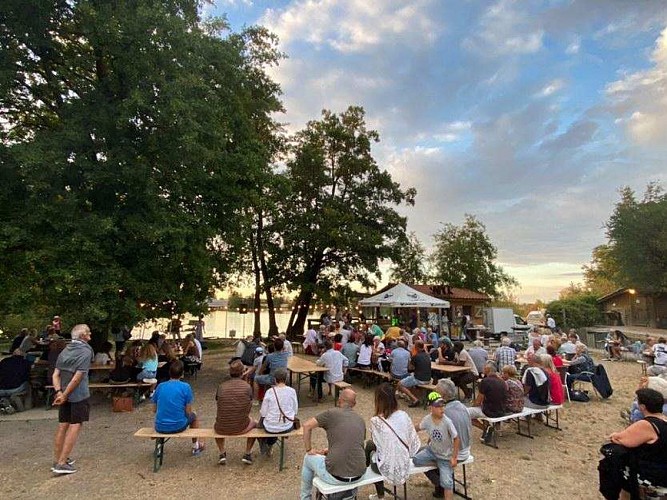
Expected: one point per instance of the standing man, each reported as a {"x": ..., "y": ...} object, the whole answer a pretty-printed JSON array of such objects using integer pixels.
[
  {"x": 70, "y": 382},
  {"x": 336, "y": 364},
  {"x": 344, "y": 461},
  {"x": 551, "y": 323}
]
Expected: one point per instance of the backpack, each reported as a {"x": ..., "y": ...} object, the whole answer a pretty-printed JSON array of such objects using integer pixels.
[
  {"x": 249, "y": 354},
  {"x": 579, "y": 396}
]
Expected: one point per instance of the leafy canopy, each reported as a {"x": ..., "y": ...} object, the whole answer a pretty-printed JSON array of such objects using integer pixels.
[{"x": 464, "y": 256}]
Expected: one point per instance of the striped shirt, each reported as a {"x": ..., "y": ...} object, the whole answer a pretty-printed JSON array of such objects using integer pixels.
[{"x": 234, "y": 398}]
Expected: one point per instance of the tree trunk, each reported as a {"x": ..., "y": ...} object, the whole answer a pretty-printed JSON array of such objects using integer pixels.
[
  {"x": 306, "y": 296},
  {"x": 257, "y": 327},
  {"x": 273, "y": 326}
]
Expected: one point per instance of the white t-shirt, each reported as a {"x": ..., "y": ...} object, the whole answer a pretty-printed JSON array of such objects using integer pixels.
[
  {"x": 334, "y": 361},
  {"x": 364, "y": 355},
  {"x": 660, "y": 353},
  {"x": 551, "y": 323},
  {"x": 199, "y": 349},
  {"x": 273, "y": 419},
  {"x": 468, "y": 361},
  {"x": 101, "y": 358},
  {"x": 287, "y": 347}
]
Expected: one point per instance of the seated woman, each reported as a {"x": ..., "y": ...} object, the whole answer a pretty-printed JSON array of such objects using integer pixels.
[
  {"x": 555, "y": 383},
  {"x": 552, "y": 351},
  {"x": 394, "y": 440},
  {"x": 648, "y": 440},
  {"x": 514, "y": 402},
  {"x": 365, "y": 353},
  {"x": 657, "y": 384},
  {"x": 166, "y": 356},
  {"x": 103, "y": 356},
  {"x": 279, "y": 408},
  {"x": 148, "y": 359}
]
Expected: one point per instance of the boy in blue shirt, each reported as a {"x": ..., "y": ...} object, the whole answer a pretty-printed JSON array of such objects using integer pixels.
[{"x": 173, "y": 406}]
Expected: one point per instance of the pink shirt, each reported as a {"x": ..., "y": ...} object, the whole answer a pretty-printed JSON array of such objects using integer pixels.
[{"x": 556, "y": 389}]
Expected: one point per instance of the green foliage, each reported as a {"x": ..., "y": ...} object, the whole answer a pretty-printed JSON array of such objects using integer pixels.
[
  {"x": 338, "y": 219},
  {"x": 122, "y": 190},
  {"x": 410, "y": 262},
  {"x": 602, "y": 275},
  {"x": 637, "y": 232},
  {"x": 576, "y": 311},
  {"x": 464, "y": 256}
]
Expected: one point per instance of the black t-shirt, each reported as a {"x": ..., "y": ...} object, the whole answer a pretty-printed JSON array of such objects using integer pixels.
[
  {"x": 422, "y": 364},
  {"x": 495, "y": 394},
  {"x": 14, "y": 371},
  {"x": 538, "y": 395}
]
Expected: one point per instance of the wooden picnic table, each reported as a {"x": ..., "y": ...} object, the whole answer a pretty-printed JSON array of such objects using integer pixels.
[
  {"x": 98, "y": 366},
  {"x": 449, "y": 369},
  {"x": 303, "y": 368}
]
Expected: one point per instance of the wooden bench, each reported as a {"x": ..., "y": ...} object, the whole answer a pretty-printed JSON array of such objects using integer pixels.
[
  {"x": 161, "y": 439},
  {"x": 526, "y": 414},
  {"x": 104, "y": 385},
  {"x": 339, "y": 386},
  {"x": 324, "y": 489},
  {"x": 367, "y": 374}
]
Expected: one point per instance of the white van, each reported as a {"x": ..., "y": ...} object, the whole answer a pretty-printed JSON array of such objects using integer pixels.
[{"x": 535, "y": 318}]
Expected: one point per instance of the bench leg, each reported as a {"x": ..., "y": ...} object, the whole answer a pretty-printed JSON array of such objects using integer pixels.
[
  {"x": 282, "y": 454},
  {"x": 518, "y": 423},
  {"x": 158, "y": 454},
  {"x": 549, "y": 418},
  {"x": 463, "y": 483}
]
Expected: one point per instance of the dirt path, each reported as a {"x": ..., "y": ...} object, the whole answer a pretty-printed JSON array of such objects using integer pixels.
[{"x": 113, "y": 464}]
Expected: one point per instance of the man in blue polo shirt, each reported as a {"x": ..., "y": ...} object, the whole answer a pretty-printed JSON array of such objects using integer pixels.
[{"x": 173, "y": 406}]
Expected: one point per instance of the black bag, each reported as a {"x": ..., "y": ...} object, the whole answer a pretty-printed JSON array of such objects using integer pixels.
[
  {"x": 615, "y": 458},
  {"x": 601, "y": 382},
  {"x": 579, "y": 396},
  {"x": 249, "y": 354}
]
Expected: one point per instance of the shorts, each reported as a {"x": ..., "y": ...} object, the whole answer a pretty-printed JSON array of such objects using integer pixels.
[
  {"x": 412, "y": 381},
  {"x": 265, "y": 379},
  {"x": 74, "y": 413},
  {"x": 191, "y": 418}
]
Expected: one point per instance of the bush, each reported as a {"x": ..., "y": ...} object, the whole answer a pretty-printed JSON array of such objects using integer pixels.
[{"x": 576, "y": 312}]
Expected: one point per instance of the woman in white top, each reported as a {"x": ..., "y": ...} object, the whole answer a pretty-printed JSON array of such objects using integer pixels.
[
  {"x": 394, "y": 443},
  {"x": 365, "y": 353},
  {"x": 278, "y": 410}
]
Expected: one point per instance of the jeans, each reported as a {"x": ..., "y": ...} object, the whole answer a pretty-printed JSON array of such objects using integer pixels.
[
  {"x": 7, "y": 393},
  {"x": 313, "y": 465},
  {"x": 426, "y": 457},
  {"x": 573, "y": 377},
  {"x": 316, "y": 380}
]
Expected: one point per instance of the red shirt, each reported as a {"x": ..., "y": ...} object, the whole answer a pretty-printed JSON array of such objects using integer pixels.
[
  {"x": 556, "y": 389},
  {"x": 558, "y": 361},
  {"x": 338, "y": 346}
]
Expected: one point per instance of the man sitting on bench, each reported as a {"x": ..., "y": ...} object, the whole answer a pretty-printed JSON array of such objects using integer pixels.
[
  {"x": 14, "y": 377},
  {"x": 345, "y": 460},
  {"x": 173, "y": 406}
]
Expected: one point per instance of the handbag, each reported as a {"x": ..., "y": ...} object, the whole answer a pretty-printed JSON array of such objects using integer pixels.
[
  {"x": 122, "y": 404},
  {"x": 296, "y": 423}
]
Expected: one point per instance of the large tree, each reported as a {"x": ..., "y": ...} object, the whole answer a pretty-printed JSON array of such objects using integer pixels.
[
  {"x": 465, "y": 257},
  {"x": 602, "y": 275},
  {"x": 130, "y": 139},
  {"x": 637, "y": 231},
  {"x": 410, "y": 263},
  {"x": 338, "y": 219}
]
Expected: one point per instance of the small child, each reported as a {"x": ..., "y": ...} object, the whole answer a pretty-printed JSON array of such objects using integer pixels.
[{"x": 442, "y": 449}]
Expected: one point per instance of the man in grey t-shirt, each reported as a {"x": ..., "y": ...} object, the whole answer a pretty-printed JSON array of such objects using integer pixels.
[
  {"x": 345, "y": 460},
  {"x": 70, "y": 383},
  {"x": 400, "y": 360}
]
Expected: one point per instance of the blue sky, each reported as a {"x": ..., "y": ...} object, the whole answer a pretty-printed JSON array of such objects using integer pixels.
[{"x": 529, "y": 115}]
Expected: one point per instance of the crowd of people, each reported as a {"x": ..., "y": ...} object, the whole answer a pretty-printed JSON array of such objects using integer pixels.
[{"x": 507, "y": 380}]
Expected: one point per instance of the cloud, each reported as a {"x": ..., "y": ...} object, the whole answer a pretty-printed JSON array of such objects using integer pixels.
[
  {"x": 640, "y": 99},
  {"x": 506, "y": 28},
  {"x": 552, "y": 87},
  {"x": 352, "y": 26}
]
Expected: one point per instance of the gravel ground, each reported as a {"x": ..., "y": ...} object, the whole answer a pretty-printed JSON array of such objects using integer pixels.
[{"x": 114, "y": 464}]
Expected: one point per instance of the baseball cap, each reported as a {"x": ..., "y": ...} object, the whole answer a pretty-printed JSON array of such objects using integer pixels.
[
  {"x": 259, "y": 349},
  {"x": 435, "y": 399}
]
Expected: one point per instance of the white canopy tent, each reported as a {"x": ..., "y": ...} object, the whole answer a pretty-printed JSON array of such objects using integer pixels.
[{"x": 403, "y": 296}]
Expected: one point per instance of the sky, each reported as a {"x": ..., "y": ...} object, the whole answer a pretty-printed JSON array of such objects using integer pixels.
[{"x": 529, "y": 115}]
